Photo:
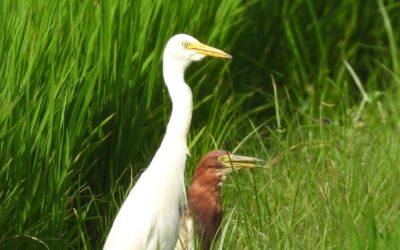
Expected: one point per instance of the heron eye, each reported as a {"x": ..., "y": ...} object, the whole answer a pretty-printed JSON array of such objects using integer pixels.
[{"x": 185, "y": 44}]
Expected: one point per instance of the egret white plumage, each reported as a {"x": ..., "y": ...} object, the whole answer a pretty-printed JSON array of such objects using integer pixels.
[
  {"x": 149, "y": 217},
  {"x": 204, "y": 197}
]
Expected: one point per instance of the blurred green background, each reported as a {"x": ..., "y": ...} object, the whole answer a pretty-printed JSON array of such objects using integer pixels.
[{"x": 84, "y": 108}]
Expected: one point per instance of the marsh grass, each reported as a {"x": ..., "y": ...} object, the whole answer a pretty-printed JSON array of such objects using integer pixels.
[{"x": 83, "y": 109}]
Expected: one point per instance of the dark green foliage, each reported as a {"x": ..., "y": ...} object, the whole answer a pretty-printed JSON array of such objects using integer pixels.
[{"x": 84, "y": 108}]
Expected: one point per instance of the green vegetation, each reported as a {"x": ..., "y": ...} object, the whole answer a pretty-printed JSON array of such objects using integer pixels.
[{"x": 83, "y": 108}]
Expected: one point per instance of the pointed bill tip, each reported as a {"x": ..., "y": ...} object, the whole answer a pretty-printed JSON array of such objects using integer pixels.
[{"x": 208, "y": 51}]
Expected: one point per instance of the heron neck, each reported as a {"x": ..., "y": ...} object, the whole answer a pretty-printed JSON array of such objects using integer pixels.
[
  {"x": 205, "y": 202},
  {"x": 181, "y": 96}
]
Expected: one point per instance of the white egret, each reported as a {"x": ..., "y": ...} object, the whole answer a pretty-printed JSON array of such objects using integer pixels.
[{"x": 149, "y": 217}]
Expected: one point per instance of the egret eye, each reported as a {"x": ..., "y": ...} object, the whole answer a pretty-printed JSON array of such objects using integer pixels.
[{"x": 185, "y": 44}]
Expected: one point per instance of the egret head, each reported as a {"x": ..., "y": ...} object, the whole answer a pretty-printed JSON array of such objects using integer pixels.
[{"x": 186, "y": 48}]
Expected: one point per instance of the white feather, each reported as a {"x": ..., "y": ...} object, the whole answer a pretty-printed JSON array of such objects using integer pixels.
[{"x": 149, "y": 217}]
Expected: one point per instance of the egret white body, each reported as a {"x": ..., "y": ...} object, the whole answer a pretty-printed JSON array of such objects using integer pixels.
[{"x": 149, "y": 217}]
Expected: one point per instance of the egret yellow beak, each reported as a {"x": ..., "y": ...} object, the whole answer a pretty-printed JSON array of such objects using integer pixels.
[
  {"x": 206, "y": 50},
  {"x": 233, "y": 162}
]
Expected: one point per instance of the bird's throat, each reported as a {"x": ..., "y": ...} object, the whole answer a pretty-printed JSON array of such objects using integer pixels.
[{"x": 182, "y": 104}]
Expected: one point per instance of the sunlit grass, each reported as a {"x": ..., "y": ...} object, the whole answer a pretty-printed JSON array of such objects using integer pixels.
[
  {"x": 341, "y": 192},
  {"x": 83, "y": 109}
]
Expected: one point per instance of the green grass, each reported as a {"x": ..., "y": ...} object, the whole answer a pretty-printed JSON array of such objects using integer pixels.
[{"x": 83, "y": 109}]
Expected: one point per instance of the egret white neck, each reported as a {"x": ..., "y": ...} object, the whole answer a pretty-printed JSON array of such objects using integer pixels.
[{"x": 181, "y": 96}]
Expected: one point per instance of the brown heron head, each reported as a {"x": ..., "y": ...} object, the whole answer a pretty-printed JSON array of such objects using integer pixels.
[{"x": 204, "y": 193}]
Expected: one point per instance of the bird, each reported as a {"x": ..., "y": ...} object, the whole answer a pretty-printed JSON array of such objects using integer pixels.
[
  {"x": 204, "y": 197},
  {"x": 149, "y": 216}
]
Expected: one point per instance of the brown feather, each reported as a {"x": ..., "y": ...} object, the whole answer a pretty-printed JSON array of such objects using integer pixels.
[{"x": 204, "y": 197}]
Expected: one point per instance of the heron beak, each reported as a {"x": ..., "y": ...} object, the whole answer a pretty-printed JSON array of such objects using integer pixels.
[
  {"x": 233, "y": 162},
  {"x": 206, "y": 50}
]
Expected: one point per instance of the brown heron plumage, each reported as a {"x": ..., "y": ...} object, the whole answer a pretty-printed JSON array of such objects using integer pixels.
[{"x": 204, "y": 196}]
